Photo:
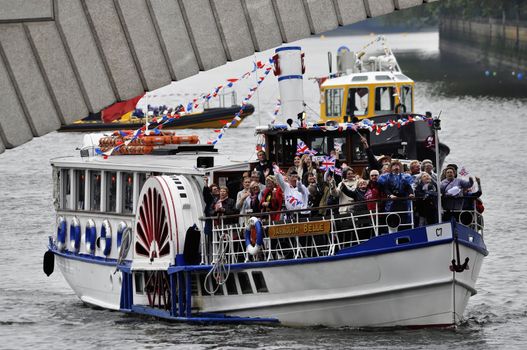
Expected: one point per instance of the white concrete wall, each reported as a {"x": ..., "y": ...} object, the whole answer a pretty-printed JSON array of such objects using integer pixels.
[{"x": 61, "y": 59}]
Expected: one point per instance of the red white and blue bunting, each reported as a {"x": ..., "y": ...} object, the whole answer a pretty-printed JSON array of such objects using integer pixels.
[{"x": 164, "y": 116}]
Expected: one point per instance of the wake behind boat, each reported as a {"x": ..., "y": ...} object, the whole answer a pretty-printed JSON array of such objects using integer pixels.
[{"x": 147, "y": 235}]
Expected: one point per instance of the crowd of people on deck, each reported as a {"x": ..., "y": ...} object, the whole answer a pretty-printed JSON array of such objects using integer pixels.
[{"x": 386, "y": 185}]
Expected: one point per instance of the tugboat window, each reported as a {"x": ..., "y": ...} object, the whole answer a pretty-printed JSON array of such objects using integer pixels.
[
  {"x": 358, "y": 99},
  {"x": 334, "y": 102},
  {"x": 406, "y": 97},
  {"x": 95, "y": 190},
  {"x": 66, "y": 188},
  {"x": 80, "y": 179},
  {"x": 111, "y": 191},
  {"x": 384, "y": 100},
  {"x": 127, "y": 181}
]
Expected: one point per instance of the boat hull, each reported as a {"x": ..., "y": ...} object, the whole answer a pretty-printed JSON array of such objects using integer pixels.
[
  {"x": 400, "y": 279},
  {"x": 94, "y": 282},
  {"x": 408, "y": 288},
  {"x": 210, "y": 118}
]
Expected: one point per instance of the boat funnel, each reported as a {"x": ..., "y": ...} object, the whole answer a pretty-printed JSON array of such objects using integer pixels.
[
  {"x": 289, "y": 68},
  {"x": 393, "y": 221}
]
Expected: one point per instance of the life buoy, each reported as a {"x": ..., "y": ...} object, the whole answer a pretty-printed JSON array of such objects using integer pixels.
[
  {"x": 61, "y": 233},
  {"x": 106, "y": 237},
  {"x": 90, "y": 235},
  {"x": 254, "y": 227},
  {"x": 75, "y": 235}
]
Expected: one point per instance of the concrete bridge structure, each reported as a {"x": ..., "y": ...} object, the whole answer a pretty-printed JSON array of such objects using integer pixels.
[{"x": 62, "y": 59}]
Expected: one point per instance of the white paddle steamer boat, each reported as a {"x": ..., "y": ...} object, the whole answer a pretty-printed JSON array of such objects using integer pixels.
[{"x": 131, "y": 237}]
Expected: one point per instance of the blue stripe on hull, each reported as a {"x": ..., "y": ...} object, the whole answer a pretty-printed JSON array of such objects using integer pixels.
[{"x": 383, "y": 244}]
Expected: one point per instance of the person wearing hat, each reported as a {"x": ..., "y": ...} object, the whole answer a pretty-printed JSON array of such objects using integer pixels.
[
  {"x": 428, "y": 167},
  {"x": 272, "y": 198},
  {"x": 452, "y": 190},
  {"x": 452, "y": 166}
]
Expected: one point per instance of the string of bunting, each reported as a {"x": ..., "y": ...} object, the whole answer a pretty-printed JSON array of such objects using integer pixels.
[
  {"x": 267, "y": 69},
  {"x": 168, "y": 117},
  {"x": 371, "y": 126},
  {"x": 276, "y": 110}
]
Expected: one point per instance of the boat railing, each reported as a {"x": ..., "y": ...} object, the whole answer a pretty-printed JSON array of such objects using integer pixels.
[
  {"x": 224, "y": 100},
  {"x": 302, "y": 233}
]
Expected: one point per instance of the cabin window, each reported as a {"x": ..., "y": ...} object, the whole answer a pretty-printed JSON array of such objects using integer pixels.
[
  {"x": 360, "y": 78},
  {"x": 127, "y": 187},
  {"x": 80, "y": 180},
  {"x": 334, "y": 102},
  {"x": 232, "y": 289},
  {"x": 382, "y": 77},
  {"x": 406, "y": 97},
  {"x": 384, "y": 99},
  {"x": 289, "y": 146},
  {"x": 95, "y": 190},
  {"x": 245, "y": 283},
  {"x": 320, "y": 145},
  {"x": 65, "y": 188},
  {"x": 56, "y": 188},
  {"x": 141, "y": 179},
  {"x": 339, "y": 145},
  {"x": 139, "y": 283},
  {"x": 259, "y": 282},
  {"x": 111, "y": 191},
  {"x": 357, "y": 151},
  {"x": 216, "y": 287},
  {"x": 358, "y": 99}
]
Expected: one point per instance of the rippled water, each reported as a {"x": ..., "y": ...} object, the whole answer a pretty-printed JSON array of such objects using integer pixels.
[{"x": 486, "y": 135}]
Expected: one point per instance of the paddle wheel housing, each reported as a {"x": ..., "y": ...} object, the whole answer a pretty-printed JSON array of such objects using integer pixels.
[{"x": 167, "y": 207}]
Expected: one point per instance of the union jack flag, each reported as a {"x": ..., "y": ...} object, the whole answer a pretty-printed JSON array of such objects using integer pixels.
[
  {"x": 463, "y": 172},
  {"x": 294, "y": 201},
  {"x": 328, "y": 163},
  {"x": 301, "y": 148}
]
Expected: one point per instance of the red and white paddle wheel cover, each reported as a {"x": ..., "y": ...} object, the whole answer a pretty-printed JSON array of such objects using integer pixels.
[{"x": 156, "y": 223}]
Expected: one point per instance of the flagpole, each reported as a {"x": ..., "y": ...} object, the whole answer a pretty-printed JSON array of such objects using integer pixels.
[{"x": 436, "y": 125}]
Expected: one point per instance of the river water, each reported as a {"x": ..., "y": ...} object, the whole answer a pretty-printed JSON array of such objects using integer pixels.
[{"x": 484, "y": 128}]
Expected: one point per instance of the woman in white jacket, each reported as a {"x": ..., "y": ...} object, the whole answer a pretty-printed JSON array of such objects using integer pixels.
[{"x": 350, "y": 181}]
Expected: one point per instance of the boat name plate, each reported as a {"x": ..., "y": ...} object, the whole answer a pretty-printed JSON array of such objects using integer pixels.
[{"x": 300, "y": 229}]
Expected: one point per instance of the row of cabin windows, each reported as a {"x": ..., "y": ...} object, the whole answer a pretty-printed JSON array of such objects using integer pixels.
[
  {"x": 323, "y": 145},
  {"x": 237, "y": 283},
  {"x": 358, "y": 100},
  {"x": 82, "y": 189}
]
